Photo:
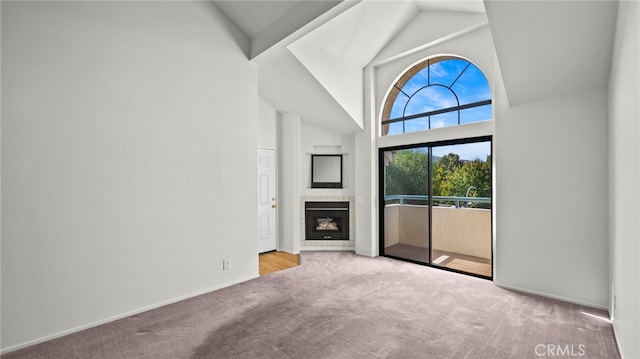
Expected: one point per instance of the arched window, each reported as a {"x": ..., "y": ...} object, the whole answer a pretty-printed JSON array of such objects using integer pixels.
[{"x": 438, "y": 92}]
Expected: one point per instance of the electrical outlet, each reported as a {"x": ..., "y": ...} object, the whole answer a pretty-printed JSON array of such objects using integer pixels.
[{"x": 225, "y": 264}]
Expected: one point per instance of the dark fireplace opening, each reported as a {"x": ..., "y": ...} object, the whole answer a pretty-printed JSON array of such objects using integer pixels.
[{"x": 326, "y": 220}]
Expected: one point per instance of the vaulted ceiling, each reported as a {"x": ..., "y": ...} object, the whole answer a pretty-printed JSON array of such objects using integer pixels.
[
  {"x": 311, "y": 54},
  {"x": 552, "y": 48}
]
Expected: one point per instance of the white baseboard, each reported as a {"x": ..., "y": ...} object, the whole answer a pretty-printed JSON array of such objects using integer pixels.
[
  {"x": 366, "y": 254},
  {"x": 615, "y": 337},
  {"x": 564, "y": 299},
  {"x": 326, "y": 248},
  {"x": 119, "y": 316}
]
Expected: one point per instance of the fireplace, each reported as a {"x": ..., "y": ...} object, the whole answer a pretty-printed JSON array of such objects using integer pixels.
[{"x": 326, "y": 221}]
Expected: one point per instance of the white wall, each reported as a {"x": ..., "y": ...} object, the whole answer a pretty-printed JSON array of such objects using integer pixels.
[
  {"x": 289, "y": 182},
  {"x": 552, "y": 213},
  {"x": 366, "y": 174},
  {"x": 297, "y": 140},
  {"x": 624, "y": 177},
  {"x": 128, "y": 161},
  {"x": 476, "y": 45},
  {"x": 547, "y": 156},
  {"x": 267, "y": 125},
  {"x": 316, "y": 140},
  {"x": 341, "y": 79}
]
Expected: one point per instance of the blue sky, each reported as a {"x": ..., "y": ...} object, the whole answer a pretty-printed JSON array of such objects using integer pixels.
[
  {"x": 471, "y": 87},
  {"x": 467, "y": 151}
]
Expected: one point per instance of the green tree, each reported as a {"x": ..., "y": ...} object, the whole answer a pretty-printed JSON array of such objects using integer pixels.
[
  {"x": 474, "y": 175},
  {"x": 443, "y": 169},
  {"x": 407, "y": 173}
]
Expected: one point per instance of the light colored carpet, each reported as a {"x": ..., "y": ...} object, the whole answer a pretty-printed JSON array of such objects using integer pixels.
[{"x": 340, "y": 305}]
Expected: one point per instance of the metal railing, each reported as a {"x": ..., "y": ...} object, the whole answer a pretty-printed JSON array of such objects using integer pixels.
[{"x": 460, "y": 202}]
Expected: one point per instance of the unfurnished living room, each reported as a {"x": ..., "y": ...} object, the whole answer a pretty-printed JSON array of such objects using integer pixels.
[{"x": 448, "y": 179}]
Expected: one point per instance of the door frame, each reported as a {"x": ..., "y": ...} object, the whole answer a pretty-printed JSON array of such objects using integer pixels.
[
  {"x": 277, "y": 208},
  {"x": 381, "y": 195}
]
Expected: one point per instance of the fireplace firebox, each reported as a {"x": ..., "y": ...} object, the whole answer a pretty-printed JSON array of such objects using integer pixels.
[{"x": 326, "y": 220}]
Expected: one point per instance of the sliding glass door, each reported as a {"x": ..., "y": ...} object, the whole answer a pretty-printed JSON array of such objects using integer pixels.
[
  {"x": 437, "y": 204},
  {"x": 461, "y": 207},
  {"x": 406, "y": 203}
]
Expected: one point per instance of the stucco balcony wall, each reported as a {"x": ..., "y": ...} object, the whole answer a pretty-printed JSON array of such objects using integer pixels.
[{"x": 458, "y": 230}]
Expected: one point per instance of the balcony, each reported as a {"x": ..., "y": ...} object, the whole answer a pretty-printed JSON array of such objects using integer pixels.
[{"x": 461, "y": 231}]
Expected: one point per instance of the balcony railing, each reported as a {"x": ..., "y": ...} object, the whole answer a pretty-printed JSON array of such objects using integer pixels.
[{"x": 459, "y": 202}]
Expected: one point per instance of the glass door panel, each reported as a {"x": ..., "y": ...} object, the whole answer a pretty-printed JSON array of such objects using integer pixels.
[
  {"x": 405, "y": 177},
  {"x": 461, "y": 212}
]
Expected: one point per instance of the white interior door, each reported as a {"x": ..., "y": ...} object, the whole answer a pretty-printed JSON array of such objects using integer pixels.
[{"x": 267, "y": 205}]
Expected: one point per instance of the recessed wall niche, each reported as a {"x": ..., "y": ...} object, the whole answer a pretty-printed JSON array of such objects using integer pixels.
[{"x": 326, "y": 171}]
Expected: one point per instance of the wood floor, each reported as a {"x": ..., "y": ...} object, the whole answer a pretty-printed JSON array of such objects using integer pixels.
[
  {"x": 274, "y": 261},
  {"x": 469, "y": 264}
]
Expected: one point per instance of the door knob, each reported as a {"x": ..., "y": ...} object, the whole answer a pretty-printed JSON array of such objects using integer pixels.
[{"x": 273, "y": 206}]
